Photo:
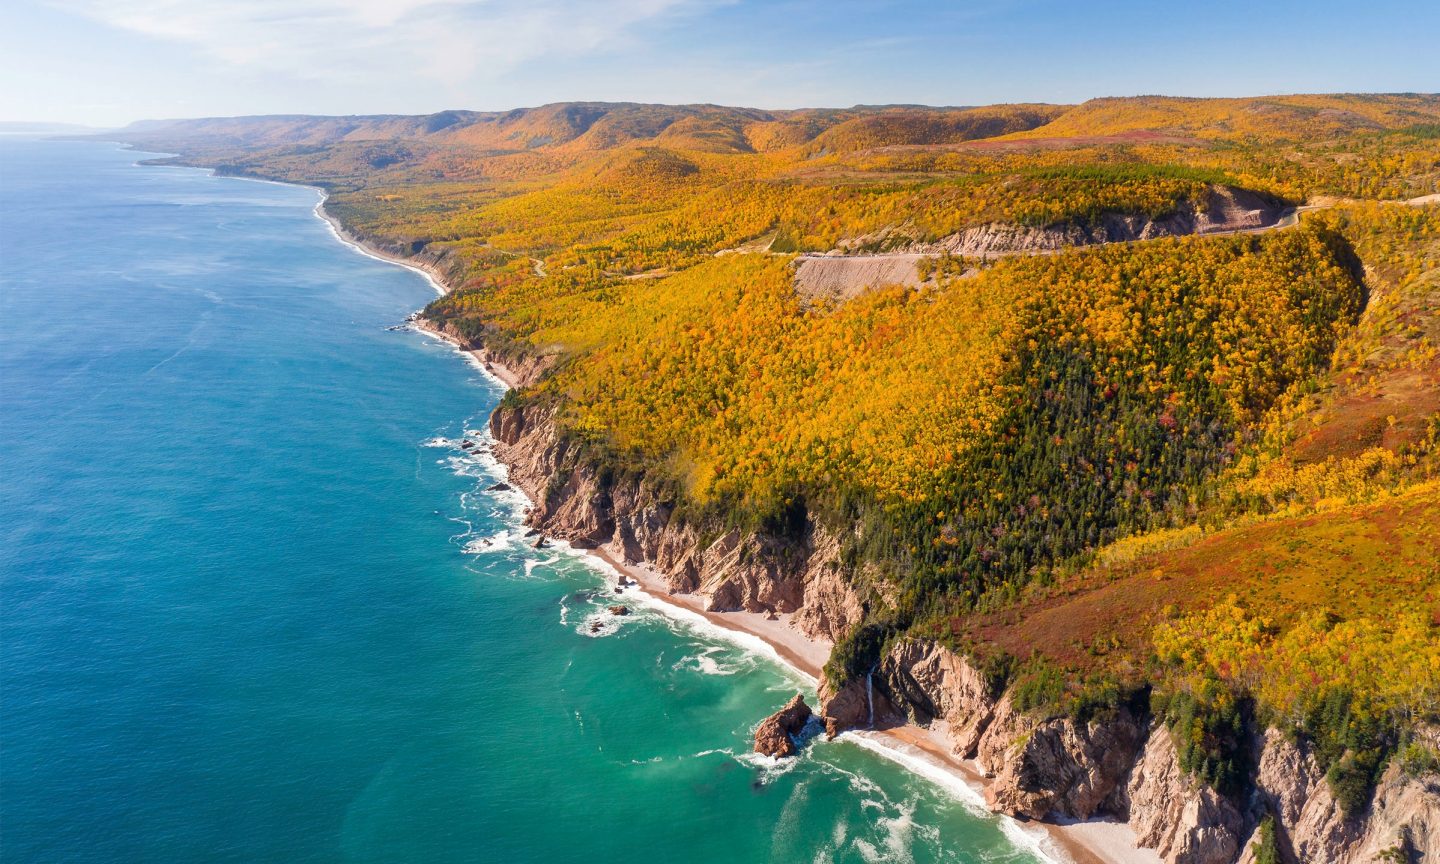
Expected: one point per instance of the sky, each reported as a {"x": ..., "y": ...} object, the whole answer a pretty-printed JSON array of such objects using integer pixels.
[{"x": 109, "y": 62}]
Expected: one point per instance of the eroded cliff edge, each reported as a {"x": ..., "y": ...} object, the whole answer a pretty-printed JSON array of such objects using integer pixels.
[
  {"x": 633, "y": 519},
  {"x": 1120, "y": 764},
  {"x": 1123, "y": 764}
]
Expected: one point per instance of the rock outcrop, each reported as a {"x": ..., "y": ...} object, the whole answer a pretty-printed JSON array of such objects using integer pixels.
[
  {"x": 1058, "y": 768},
  {"x": 850, "y": 707},
  {"x": 1225, "y": 209},
  {"x": 927, "y": 686},
  {"x": 1403, "y": 819},
  {"x": 776, "y": 734},
  {"x": 524, "y": 371},
  {"x": 1185, "y": 821},
  {"x": 1125, "y": 767},
  {"x": 855, "y": 266}
]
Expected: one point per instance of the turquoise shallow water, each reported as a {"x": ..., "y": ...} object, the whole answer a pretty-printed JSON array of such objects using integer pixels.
[{"x": 257, "y": 607}]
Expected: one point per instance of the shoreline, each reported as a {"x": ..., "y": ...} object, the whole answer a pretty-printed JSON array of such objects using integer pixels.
[
  {"x": 921, "y": 751},
  {"x": 432, "y": 275},
  {"x": 503, "y": 374}
]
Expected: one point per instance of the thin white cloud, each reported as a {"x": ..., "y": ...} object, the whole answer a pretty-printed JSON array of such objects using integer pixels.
[{"x": 355, "y": 42}]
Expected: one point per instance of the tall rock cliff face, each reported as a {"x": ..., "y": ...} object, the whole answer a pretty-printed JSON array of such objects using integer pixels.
[
  {"x": 1126, "y": 767},
  {"x": 1403, "y": 819},
  {"x": 1057, "y": 767},
  {"x": 633, "y": 519},
  {"x": 1185, "y": 821}
]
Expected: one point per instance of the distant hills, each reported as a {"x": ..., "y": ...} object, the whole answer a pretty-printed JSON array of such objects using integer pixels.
[{"x": 589, "y": 126}]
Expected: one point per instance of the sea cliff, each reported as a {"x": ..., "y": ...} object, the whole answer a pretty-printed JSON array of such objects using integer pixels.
[{"x": 1123, "y": 765}]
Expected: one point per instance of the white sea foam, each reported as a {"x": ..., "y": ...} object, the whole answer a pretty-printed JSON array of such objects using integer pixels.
[
  {"x": 723, "y": 750},
  {"x": 531, "y": 564},
  {"x": 896, "y": 838},
  {"x": 599, "y": 625},
  {"x": 922, "y": 764},
  {"x": 1033, "y": 840},
  {"x": 502, "y": 541},
  {"x": 706, "y": 663},
  {"x": 467, "y": 356},
  {"x": 693, "y": 622},
  {"x": 770, "y": 767},
  {"x": 860, "y": 784},
  {"x": 463, "y": 467}
]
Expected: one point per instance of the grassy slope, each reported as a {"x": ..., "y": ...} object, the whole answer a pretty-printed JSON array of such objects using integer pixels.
[{"x": 1364, "y": 560}]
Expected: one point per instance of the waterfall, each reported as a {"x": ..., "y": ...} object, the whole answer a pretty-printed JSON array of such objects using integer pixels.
[{"x": 870, "y": 696}]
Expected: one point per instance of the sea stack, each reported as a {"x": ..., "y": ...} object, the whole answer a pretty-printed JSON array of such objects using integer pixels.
[{"x": 775, "y": 736}]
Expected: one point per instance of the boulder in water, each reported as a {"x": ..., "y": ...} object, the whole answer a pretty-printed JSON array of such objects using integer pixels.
[{"x": 775, "y": 736}]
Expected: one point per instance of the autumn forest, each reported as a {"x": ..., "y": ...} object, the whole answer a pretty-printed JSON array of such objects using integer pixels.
[{"x": 1132, "y": 400}]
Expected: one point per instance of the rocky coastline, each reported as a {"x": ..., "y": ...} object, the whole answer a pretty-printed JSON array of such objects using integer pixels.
[
  {"x": 1120, "y": 768},
  {"x": 1064, "y": 775}
]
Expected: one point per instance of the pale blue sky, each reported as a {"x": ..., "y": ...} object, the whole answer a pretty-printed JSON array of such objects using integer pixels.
[{"x": 111, "y": 61}]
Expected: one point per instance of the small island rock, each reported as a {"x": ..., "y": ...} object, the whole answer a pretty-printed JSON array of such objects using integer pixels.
[{"x": 775, "y": 734}]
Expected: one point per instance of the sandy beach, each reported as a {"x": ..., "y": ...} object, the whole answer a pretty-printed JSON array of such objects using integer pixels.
[{"x": 927, "y": 752}]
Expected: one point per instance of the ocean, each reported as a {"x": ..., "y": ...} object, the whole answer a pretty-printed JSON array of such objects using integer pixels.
[{"x": 258, "y": 605}]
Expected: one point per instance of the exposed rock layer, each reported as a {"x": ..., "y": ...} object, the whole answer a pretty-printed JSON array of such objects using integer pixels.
[
  {"x": 1225, "y": 209},
  {"x": 1125, "y": 767},
  {"x": 853, "y": 268},
  {"x": 522, "y": 372}
]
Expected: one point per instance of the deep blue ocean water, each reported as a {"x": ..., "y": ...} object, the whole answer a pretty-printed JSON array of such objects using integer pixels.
[{"x": 256, "y": 606}]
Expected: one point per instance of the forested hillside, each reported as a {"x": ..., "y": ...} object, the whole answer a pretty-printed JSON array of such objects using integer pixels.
[{"x": 1154, "y": 417}]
